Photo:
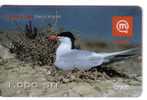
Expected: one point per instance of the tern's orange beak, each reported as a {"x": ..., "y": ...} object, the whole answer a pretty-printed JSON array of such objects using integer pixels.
[{"x": 53, "y": 37}]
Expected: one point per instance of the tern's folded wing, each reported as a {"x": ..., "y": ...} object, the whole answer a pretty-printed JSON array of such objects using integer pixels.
[{"x": 80, "y": 59}]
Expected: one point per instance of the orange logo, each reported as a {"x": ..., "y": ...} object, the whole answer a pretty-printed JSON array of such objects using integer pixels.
[{"x": 122, "y": 26}]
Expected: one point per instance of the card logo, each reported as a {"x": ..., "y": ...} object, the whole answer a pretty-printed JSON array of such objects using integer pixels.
[{"x": 122, "y": 26}]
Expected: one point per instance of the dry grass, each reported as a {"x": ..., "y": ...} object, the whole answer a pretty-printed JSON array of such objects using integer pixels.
[{"x": 38, "y": 51}]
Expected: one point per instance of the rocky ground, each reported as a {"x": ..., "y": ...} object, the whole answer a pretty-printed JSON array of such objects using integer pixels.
[{"x": 23, "y": 79}]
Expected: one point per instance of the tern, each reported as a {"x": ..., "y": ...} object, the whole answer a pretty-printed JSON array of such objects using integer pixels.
[{"x": 69, "y": 58}]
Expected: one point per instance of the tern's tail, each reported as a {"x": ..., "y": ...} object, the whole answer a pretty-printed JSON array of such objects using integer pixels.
[
  {"x": 108, "y": 57},
  {"x": 120, "y": 53}
]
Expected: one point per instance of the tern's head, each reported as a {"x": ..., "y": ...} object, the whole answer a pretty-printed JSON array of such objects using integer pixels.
[{"x": 64, "y": 37}]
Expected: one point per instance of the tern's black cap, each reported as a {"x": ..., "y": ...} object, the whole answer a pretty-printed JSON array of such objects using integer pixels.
[{"x": 69, "y": 35}]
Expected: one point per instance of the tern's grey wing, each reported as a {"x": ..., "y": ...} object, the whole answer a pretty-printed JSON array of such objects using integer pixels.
[
  {"x": 79, "y": 53},
  {"x": 79, "y": 59}
]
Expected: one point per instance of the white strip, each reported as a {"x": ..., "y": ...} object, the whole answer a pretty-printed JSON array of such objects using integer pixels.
[{"x": 71, "y": 2}]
